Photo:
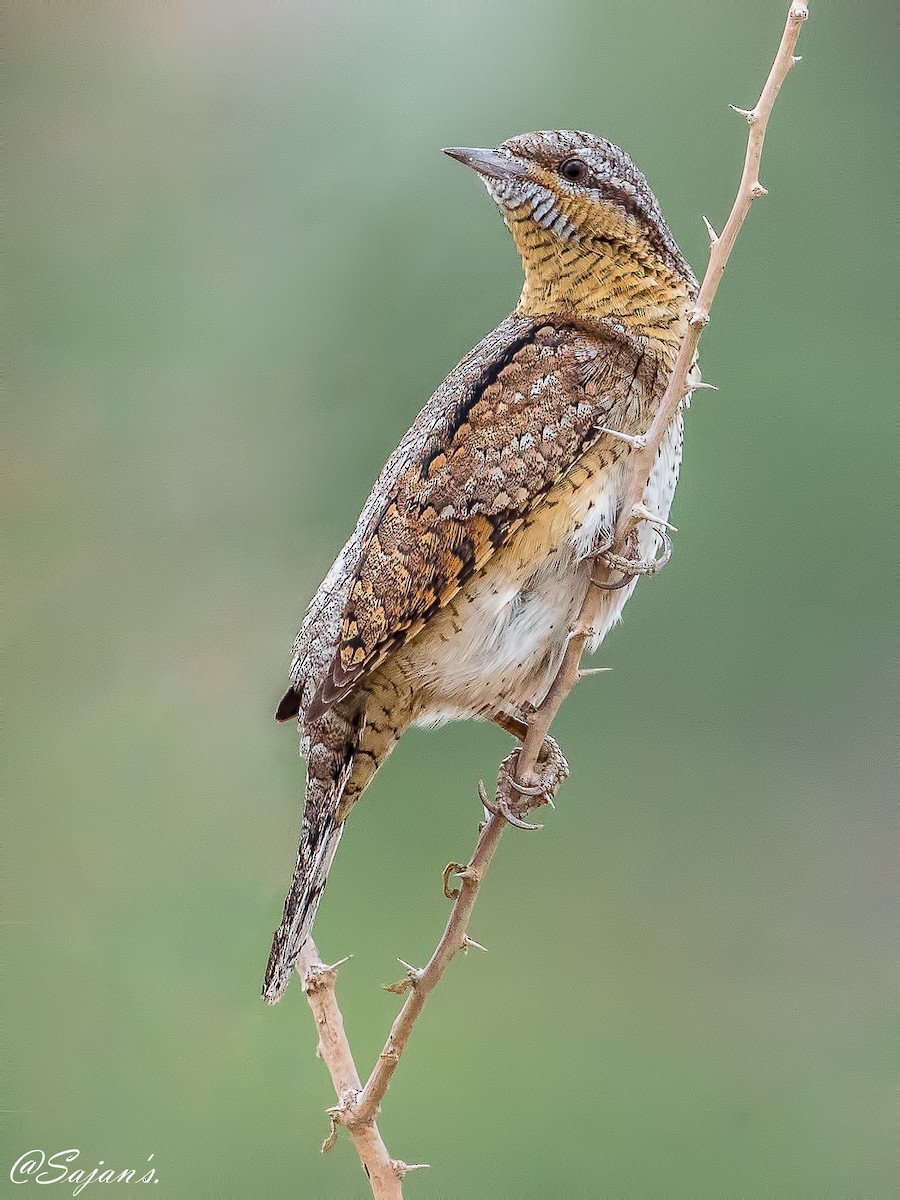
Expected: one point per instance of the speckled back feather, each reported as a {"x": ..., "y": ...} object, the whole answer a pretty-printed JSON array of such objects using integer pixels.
[{"x": 534, "y": 410}]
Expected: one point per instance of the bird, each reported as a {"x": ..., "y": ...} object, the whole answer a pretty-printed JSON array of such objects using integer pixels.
[{"x": 457, "y": 591}]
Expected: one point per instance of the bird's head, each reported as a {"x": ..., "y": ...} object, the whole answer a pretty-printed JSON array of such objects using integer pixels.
[{"x": 590, "y": 231}]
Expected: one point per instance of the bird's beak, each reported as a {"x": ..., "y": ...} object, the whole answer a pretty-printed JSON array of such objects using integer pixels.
[{"x": 494, "y": 164}]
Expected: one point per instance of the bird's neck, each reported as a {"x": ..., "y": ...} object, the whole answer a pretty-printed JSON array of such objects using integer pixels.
[{"x": 604, "y": 278}]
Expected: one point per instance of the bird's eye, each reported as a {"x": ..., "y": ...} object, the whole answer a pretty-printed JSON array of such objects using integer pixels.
[{"x": 574, "y": 170}]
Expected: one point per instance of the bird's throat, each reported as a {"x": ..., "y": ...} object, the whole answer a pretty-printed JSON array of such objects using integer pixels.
[{"x": 602, "y": 277}]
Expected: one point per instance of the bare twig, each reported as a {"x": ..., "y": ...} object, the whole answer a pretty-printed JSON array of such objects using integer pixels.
[
  {"x": 454, "y": 938},
  {"x": 357, "y": 1105},
  {"x": 334, "y": 1049}
]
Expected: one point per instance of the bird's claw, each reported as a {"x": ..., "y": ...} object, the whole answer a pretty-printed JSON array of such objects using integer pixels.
[
  {"x": 537, "y": 789},
  {"x": 508, "y": 815},
  {"x": 514, "y": 797},
  {"x": 500, "y": 806}
]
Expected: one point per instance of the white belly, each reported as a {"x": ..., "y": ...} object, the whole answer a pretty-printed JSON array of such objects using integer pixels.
[{"x": 499, "y": 642}]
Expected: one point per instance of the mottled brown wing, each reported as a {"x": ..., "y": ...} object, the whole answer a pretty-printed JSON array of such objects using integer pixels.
[{"x": 530, "y": 415}]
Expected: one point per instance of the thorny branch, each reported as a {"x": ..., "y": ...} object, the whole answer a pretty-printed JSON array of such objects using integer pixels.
[
  {"x": 318, "y": 984},
  {"x": 644, "y": 453},
  {"x": 358, "y": 1105}
]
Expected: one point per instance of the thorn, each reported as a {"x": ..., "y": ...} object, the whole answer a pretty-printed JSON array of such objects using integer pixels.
[
  {"x": 638, "y": 442},
  {"x": 414, "y": 972},
  {"x": 586, "y": 671},
  {"x": 713, "y": 236},
  {"x": 711, "y": 387},
  {"x": 469, "y": 873},
  {"x": 468, "y": 941},
  {"x": 795, "y": 58},
  {"x": 401, "y": 1168},
  {"x": 314, "y": 976},
  {"x": 758, "y": 190},
  {"x": 334, "y": 966},
  {"x": 748, "y": 114},
  {"x": 644, "y": 514}
]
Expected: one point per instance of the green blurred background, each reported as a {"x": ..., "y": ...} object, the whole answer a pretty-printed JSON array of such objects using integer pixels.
[{"x": 239, "y": 266}]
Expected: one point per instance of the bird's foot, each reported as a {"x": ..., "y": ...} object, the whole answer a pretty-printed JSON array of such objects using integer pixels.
[
  {"x": 630, "y": 563},
  {"x": 639, "y": 566},
  {"x": 515, "y": 797}
]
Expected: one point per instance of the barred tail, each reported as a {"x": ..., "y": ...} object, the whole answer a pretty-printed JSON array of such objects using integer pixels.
[
  {"x": 328, "y": 771},
  {"x": 300, "y": 908}
]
